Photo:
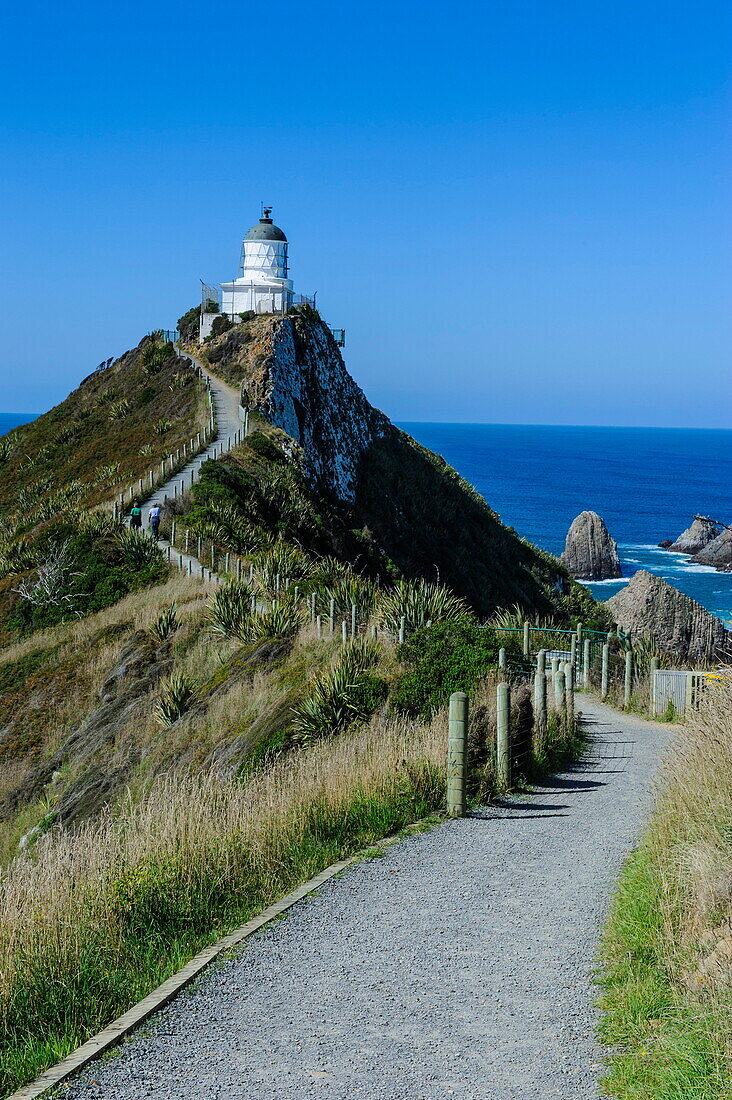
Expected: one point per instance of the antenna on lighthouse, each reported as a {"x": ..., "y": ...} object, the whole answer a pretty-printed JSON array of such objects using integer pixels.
[{"x": 266, "y": 212}]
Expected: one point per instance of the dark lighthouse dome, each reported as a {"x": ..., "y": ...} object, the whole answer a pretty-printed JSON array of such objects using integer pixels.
[{"x": 265, "y": 230}]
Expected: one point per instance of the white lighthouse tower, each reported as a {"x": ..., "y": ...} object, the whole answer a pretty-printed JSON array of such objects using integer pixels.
[{"x": 262, "y": 285}]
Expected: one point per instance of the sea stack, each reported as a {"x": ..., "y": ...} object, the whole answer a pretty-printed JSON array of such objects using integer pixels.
[
  {"x": 590, "y": 553},
  {"x": 695, "y": 538},
  {"x": 651, "y": 607},
  {"x": 718, "y": 552}
]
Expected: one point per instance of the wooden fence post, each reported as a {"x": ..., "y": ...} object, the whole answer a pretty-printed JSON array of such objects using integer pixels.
[
  {"x": 501, "y": 658},
  {"x": 319, "y": 626},
  {"x": 559, "y": 700},
  {"x": 689, "y": 694},
  {"x": 569, "y": 690},
  {"x": 331, "y": 616},
  {"x": 353, "y": 619},
  {"x": 540, "y": 691},
  {"x": 605, "y": 678},
  {"x": 503, "y": 736},
  {"x": 527, "y": 637},
  {"x": 628, "y": 679},
  {"x": 652, "y": 672},
  {"x": 402, "y": 628},
  {"x": 344, "y": 631},
  {"x": 457, "y": 754},
  {"x": 586, "y": 663}
]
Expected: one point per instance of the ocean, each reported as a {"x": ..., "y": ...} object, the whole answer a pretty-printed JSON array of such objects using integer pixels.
[
  {"x": 646, "y": 483},
  {"x": 8, "y": 421}
]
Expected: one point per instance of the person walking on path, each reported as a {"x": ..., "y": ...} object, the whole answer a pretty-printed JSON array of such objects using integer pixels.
[
  {"x": 154, "y": 518},
  {"x": 135, "y": 515}
]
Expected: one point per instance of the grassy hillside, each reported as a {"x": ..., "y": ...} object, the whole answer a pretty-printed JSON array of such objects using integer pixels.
[
  {"x": 118, "y": 424},
  {"x": 61, "y": 555}
]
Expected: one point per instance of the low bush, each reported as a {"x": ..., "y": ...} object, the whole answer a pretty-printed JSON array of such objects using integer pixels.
[
  {"x": 419, "y": 603},
  {"x": 340, "y": 696},
  {"x": 177, "y": 695},
  {"x": 439, "y": 660}
]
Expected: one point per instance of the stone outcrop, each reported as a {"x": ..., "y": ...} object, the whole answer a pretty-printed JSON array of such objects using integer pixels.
[
  {"x": 590, "y": 553},
  {"x": 650, "y": 607},
  {"x": 695, "y": 538},
  {"x": 294, "y": 375},
  {"x": 718, "y": 552}
]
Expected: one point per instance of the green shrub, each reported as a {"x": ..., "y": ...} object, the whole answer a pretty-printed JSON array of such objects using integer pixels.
[
  {"x": 83, "y": 566},
  {"x": 229, "y": 611},
  {"x": 220, "y": 325},
  {"x": 262, "y": 445},
  {"x": 441, "y": 659},
  {"x": 188, "y": 324},
  {"x": 165, "y": 625},
  {"x": 177, "y": 695},
  {"x": 340, "y": 696},
  {"x": 418, "y": 603}
]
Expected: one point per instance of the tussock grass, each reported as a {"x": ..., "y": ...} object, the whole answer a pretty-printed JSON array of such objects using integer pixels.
[
  {"x": 668, "y": 944},
  {"x": 90, "y": 921}
]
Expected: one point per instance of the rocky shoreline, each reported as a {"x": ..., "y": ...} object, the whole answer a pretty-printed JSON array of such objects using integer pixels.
[{"x": 706, "y": 541}]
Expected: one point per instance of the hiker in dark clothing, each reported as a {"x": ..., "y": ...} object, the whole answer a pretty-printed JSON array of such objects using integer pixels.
[
  {"x": 135, "y": 515},
  {"x": 154, "y": 518}
]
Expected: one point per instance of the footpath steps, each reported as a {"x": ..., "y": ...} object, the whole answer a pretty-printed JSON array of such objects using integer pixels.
[{"x": 459, "y": 964}]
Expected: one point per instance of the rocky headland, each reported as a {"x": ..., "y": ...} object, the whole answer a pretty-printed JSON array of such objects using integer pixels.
[
  {"x": 679, "y": 626},
  {"x": 590, "y": 552}
]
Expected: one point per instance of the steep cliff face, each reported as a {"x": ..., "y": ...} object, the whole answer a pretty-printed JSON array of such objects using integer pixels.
[
  {"x": 679, "y": 626},
  {"x": 425, "y": 518},
  {"x": 590, "y": 552},
  {"x": 718, "y": 552},
  {"x": 696, "y": 537}
]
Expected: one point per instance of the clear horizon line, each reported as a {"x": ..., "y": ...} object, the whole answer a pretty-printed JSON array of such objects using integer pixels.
[{"x": 538, "y": 424}]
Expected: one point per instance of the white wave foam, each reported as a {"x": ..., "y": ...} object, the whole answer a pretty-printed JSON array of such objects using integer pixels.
[{"x": 611, "y": 580}]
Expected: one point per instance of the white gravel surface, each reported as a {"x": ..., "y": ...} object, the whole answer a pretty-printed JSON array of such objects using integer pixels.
[{"x": 459, "y": 964}]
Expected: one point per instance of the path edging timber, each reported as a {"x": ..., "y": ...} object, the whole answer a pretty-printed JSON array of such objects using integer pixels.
[{"x": 128, "y": 1021}]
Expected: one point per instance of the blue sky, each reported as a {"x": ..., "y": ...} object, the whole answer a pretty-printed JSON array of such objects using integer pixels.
[{"x": 518, "y": 210}]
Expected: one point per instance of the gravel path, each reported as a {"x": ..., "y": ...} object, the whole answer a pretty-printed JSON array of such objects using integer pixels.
[
  {"x": 459, "y": 964},
  {"x": 228, "y": 423}
]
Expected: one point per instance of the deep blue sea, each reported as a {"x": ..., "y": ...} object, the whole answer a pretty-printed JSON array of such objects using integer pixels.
[
  {"x": 12, "y": 420},
  {"x": 646, "y": 483}
]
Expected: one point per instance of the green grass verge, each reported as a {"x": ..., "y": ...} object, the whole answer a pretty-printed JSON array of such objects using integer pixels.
[{"x": 663, "y": 1046}]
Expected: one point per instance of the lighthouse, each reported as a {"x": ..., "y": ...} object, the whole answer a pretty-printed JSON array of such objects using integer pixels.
[{"x": 263, "y": 284}]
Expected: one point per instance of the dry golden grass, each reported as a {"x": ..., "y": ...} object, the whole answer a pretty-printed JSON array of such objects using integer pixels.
[
  {"x": 92, "y": 919},
  {"x": 185, "y": 816}
]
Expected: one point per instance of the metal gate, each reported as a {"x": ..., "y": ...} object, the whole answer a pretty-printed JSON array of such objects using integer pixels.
[{"x": 676, "y": 691}]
